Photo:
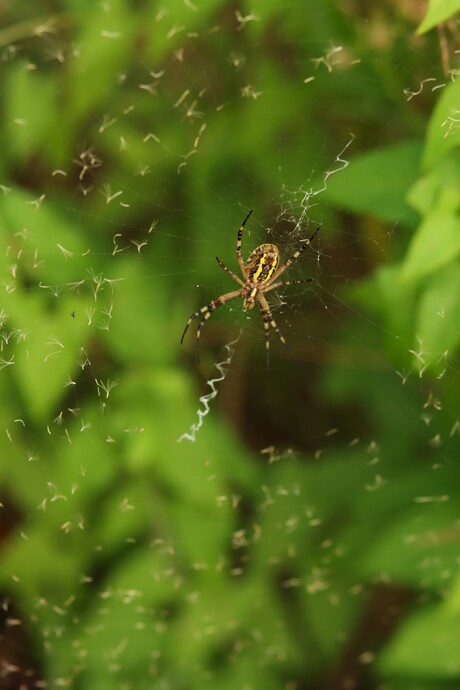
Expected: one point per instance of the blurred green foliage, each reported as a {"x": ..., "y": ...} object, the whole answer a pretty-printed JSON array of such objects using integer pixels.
[{"x": 308, "y": 536}]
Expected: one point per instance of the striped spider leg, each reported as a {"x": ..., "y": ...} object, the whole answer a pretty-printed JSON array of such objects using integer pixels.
[{"x": 205, "y": 312}]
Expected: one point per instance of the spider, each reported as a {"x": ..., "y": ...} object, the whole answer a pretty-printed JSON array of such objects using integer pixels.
[{"x": 260, "y": 275}]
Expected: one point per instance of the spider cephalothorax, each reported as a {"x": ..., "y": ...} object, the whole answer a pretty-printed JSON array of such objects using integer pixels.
[{"x": 260, "y": 275}]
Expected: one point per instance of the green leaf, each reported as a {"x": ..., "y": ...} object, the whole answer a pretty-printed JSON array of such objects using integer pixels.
[
  {"x": 438, "y": 320},
  {"x": 438, "y": 12},
  {"x": 439, "y": 187},
  {"x": 417, "y": 683},
  {"x": 453, "y": 601},
  {"x": 397, "y": 302},
  {"x": 104, "y": 42},
  {"x": 444, "y": 127},
  {"x": 152, "y": 406},
  {"x": 134, "y": 333},
  {"x": 435, "y": 244},
  {"x": 51, "y": 242},
  {"x": 405, "y": 552},
  {"x": 201, "y": 540},
  {"x": 130, "y": 594},
  {"x": 426, "y": 645},
  {"x": 46, "y": 349},
  {"x": 377, "y": 183},
  {"x": 422, "y": 194},
  {"x": 37, "y": 557},
  {"x": 27, "y": 127},
  {"x": 191, "y": 17}
]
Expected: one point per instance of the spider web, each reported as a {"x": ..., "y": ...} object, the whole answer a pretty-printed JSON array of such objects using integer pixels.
[{"x": 294, "y": 519}]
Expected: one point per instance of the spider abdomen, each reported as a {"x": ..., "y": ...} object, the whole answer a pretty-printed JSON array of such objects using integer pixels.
[{"x": 262, "y": 263}]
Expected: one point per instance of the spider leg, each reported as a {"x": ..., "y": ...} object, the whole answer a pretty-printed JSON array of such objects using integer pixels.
[
  {"x": 285, "y": 283},
  {"x": 269, "y": 321},
  {"x": 295, "y": 256},
  {"x": 206, "y": 312},
  {"x": 234, "y": 276},
  {"x": 239, "y": 256}
]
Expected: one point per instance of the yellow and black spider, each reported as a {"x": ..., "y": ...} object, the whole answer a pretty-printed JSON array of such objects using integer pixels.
[{"x": 260, "y": 275}]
